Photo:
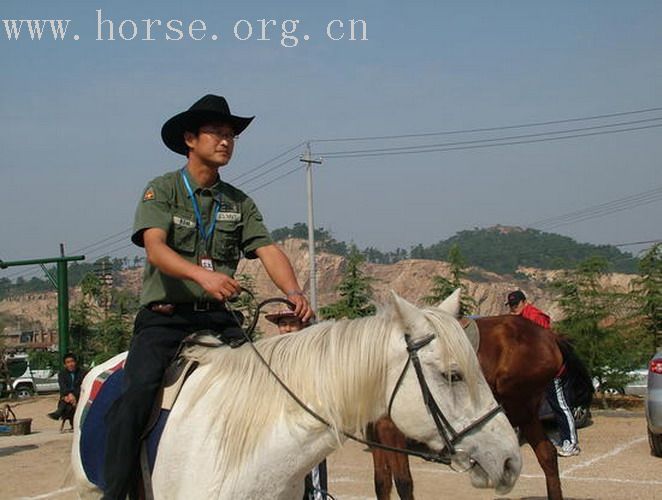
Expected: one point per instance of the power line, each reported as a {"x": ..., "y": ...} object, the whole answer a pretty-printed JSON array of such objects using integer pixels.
[
  {"x": 271, "y": 169},
  {"x": 263, "y": 164},
  {"x": 634, "y": 243},
  {"x": 112, "y": 236},
  {"x": 607, "y": 205},
  {"x": 488, "y": 129},
  {"x": 481, "y": 146},
  {"x": 422, "y": 148},
  {"x": 289, "y": 172},
  {"x": 601, "y": 213}
]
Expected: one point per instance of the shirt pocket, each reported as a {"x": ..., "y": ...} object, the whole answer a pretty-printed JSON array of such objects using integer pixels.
[
  {"x": 226, "y": 246},
  {"x": 184, "y": 235}
]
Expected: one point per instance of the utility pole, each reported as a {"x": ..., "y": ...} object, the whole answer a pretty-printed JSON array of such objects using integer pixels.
[
  {"x": 61, "y": 282},
  {"x": 310, "y": 161}
]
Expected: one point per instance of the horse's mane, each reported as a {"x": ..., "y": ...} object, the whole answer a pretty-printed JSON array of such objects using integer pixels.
[{"x": 337, "y": 367}]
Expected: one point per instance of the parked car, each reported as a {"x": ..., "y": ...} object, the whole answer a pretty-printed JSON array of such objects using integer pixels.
[
  {"x": 25, "y": 381},
  {"x": 654, "y": 404},
  {"x": 635, "y": 387}
]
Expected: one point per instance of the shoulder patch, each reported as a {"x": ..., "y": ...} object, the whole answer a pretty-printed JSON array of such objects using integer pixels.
[{"x": 149, "y": 194}]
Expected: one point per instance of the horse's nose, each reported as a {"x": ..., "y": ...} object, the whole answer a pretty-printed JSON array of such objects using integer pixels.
[{"x": 511, "y": 470}]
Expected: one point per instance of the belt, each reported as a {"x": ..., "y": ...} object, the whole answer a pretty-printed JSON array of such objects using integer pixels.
[{"x": 189, "y": 307}]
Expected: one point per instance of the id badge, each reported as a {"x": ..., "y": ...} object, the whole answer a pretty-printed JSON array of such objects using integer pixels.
[{"x": 206, "y": 263}]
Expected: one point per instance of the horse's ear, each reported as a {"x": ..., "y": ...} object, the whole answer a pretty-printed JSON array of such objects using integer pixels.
[
  {"x": 451, "y": 304},
  {"x": 404, "y": 312}
]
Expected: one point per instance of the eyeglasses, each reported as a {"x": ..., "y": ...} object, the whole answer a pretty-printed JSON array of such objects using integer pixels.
[{"x": 221, "y": 135}]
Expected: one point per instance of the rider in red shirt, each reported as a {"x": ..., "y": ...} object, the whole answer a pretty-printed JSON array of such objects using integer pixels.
[
  {"x": 518, "y": 305},
  {"x": 556, "y": 391}
]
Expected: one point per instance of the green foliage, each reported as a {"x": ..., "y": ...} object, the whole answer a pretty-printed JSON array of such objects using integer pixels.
[
  {"x": 98, "y": 334},
  {"x": 442, "y": 287},
  {"x": 503, "y": 250},
  {"x": 245, "y": 303},
  {"x": 44, "y": 360},
  {"x": 355, "y": 292},
  {"x": 90, "y": 286},
  {"x": 596, "y": 319},
  {"x": 648, "y": 290}
]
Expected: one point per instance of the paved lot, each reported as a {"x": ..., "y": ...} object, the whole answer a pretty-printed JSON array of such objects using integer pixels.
[{"x": 614, "y": 464}]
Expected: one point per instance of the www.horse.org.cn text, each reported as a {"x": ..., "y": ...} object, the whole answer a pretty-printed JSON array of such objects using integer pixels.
[{"x": 287, "y": 32}]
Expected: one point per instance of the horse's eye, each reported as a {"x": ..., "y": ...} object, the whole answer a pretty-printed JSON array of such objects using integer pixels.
[{"x": 453, "y": 376}]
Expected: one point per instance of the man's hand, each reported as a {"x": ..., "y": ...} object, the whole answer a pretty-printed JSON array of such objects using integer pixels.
[
  {"x": 301, "y": 307},
  {"x": 281, "y": 273},
  {"x": 220, "y": 286}
]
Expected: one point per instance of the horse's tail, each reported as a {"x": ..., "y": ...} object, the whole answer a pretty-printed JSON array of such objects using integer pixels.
[{"x": 576, "y": 373}]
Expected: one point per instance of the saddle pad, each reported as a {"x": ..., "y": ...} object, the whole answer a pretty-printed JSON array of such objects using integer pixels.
[{"x": 106, "y": 389}]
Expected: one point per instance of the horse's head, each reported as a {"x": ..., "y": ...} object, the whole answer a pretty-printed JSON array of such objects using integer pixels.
[{"x": 438, "y": 396}]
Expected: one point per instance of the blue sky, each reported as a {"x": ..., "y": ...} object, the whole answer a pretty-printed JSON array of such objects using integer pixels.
[{"x": 81, "y": 119}]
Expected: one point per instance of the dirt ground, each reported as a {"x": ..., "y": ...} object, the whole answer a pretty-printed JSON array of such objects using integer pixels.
[{"x": 615, "y": 463}]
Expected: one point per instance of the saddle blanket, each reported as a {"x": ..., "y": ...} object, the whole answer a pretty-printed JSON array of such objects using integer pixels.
[{"x": 106, "y": 389}]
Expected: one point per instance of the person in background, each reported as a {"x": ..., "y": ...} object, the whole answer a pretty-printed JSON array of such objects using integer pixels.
[
  {"x": 69, "y": 379},
  {"x": 556, "y": 392},
  {"x": 316, "y": 480}
]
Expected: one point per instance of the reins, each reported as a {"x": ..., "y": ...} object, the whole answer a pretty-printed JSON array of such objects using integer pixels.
[{"x": 448, "y": 435}]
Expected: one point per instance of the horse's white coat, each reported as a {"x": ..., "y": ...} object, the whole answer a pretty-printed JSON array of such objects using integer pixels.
[{"x": 246, "y": 438}]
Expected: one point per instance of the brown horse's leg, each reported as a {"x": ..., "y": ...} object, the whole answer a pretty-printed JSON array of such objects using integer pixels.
[
  {"x": 380, "y": 461},
  {"x": 390, "y": 465},
  {"x": 404, "y": 483},
  {"x": 546, "y": 455}
]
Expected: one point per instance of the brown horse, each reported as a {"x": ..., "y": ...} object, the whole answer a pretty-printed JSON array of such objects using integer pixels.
[{"x": 519, "y": 359}]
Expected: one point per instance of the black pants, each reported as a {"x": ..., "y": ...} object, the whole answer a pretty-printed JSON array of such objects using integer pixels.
[
  {"x": 316, "y": 483},
  {"x": 65, "y": 410},
  {"x": 558, "y": 400},
  {"x": 155, "y": 342}
]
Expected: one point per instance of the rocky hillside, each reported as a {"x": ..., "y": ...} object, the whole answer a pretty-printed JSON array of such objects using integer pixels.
[{"x": 409, "y": 278}]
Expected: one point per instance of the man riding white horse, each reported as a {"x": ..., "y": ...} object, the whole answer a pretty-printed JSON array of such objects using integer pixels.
[
  {"x": 194, "y": 227},
  {"x": 251, "y": 422}
]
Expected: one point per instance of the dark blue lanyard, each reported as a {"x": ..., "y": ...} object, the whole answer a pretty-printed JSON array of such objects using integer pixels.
[{"x": 205, "y": 233}]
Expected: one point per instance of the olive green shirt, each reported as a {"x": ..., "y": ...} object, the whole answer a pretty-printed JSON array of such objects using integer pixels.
[{"x": 166, "y": 205}]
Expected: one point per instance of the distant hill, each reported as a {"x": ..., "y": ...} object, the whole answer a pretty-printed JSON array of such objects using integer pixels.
[
  {"x": 503, "y": 249},
  {"x": 499, "y": 249}
]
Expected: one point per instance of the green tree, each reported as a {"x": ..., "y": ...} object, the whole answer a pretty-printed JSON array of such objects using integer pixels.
[
  {"x": 595, "y": 318},
  {"x": 246, "y": 304},
  {"x": 442, "y": 287},
  {"x": 80, "y": 331},
  {"x": 110, "y": 337},
  {"x": 648, "y": 288},
  {"x": 91, "y": 286},
  {"x": 355, "y": 290}
]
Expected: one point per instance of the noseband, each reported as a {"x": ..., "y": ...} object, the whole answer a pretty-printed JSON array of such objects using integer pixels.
[{"x": 449, "y": 436}]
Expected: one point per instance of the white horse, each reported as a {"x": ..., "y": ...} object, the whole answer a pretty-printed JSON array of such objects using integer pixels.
[{"x": 234, "y": 432}]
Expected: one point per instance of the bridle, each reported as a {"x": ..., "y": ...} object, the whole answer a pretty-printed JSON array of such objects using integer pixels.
[
  {"x": 447, "y": 433},
  {"x": 449, "y": 436}
]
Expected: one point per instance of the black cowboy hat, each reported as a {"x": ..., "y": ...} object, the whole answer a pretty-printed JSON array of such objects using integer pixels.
[{"x": 209, "y": 108}]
